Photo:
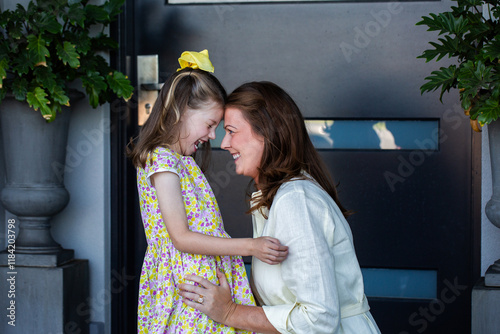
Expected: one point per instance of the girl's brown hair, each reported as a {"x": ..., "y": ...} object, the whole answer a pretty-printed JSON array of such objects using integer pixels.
[
  {"x": 188, "y": 88},
  {"x": 288, "y": 150}
]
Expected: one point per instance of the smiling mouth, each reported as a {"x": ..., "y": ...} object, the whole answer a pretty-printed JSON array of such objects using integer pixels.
[
  {"x": 198, "y": 144},
  {"x": 236, "y": 156}
]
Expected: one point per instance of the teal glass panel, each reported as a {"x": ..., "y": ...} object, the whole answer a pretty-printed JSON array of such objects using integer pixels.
[
  {"x": 400, "y": 283},
  {"x": 330, "y": 134},
  {"x": 374, "y": 134}
]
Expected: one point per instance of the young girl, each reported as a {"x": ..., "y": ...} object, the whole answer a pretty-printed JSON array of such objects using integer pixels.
[{"x": 180, "y": 214}]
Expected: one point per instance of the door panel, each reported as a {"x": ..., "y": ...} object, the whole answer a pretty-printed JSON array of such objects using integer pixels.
[{"x": 353, "y": 61}]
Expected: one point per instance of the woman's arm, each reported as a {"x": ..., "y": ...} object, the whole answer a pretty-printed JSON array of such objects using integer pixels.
[
  {"x": 170, "y": 200},
  {"x": 218, "y": 305}
]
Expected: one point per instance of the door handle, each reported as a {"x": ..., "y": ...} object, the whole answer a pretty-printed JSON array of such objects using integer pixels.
[
  {"x": 152, "y": 86},
  {"x": 147, "y": 81}
]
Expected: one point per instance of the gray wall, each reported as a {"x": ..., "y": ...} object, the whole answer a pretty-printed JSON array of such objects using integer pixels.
[{"x": 84, "y": 224}]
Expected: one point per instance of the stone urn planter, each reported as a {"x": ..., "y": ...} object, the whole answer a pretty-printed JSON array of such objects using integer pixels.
[
  {"x": 492, "y": 210},
  {"x": 35, "y": 154},
  {"x": 493, "y": 205}
]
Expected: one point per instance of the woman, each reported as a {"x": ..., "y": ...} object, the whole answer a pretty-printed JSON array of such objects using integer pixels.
[{"x": 319, "y": 287}]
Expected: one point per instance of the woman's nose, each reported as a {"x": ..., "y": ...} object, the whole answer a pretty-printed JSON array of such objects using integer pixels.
[{"x": 226, "y": 142}]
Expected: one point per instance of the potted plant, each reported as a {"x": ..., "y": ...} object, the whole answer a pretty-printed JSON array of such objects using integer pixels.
[
  {"x": 470, "y": 33},
  {"x": 473, "y": 38},
  {"x": 49, "y": 44},
  {"x": 49, "y": 50}
]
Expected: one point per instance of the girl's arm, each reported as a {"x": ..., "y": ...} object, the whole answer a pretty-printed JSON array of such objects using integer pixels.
[
  {"x": 219, "y": 306},
  {"x": 170, "y": 200}
]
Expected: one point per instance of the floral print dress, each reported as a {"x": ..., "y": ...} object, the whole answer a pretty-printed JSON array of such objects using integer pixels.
[{"x": 160, "y": 308}]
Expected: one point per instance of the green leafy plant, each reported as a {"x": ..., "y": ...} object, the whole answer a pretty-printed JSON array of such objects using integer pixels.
[
  {"x": 472, "y": 36},
  {"x": 50, "y": 44}
]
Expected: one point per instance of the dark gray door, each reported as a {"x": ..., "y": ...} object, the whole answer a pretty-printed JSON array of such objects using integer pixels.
[{"x": 353, "y": 63}]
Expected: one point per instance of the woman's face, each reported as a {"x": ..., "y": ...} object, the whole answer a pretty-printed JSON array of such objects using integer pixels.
[{"x": 245, "y": 146}]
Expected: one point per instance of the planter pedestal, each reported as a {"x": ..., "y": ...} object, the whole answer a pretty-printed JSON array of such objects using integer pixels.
[
  {"x": 46, "y": 288},
  {"x": 485, "y": 306},
  {"x": 47, "y": 299},
  {"x": 486, "y": 293},
  {"x": 492, "y": 210}
]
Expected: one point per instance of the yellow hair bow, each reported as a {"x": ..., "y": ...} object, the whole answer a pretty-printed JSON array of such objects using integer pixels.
[{"x": 196, "y": 60}]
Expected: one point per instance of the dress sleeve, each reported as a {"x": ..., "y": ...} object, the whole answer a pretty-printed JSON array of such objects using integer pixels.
[
  {"x": 306, "y": 226},
  {"x": 162, "y": 160}
]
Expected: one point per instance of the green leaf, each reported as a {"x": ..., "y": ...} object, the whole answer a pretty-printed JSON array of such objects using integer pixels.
[
  {"x": 448, "y": 47},
  {"x": 113, "y": 7},
  {"x": 473, "y": 77},
  {"x": 38, "y": 50},
  {"x": 76, "y": 15},
  {"x": 48, "y": 22},
  {"x": 4, "y": 65},
  {"x": 94, "y": 84},
  {"x": 36, "y": 99},
  {"x": 489, "y": 112},
  {"x": 445, "y": 23},
  {"x": 480, "y": 30},
  {"x": 20, "y": 88},
  {"x": 59, "y": 95},
  {"x": 96, "y": 13},
  {"x": 22, "y": 64},
  {"x": 473, "y": 3},
  {"x": 466, "y": 101},
  {"x": 491, "y": 51},
  {"x": 432, "y": 21},
  {"x": 446, "y": 78},
  {"x": 15, "y": 30},
  {"x": 45, "y": 77},
  {"x": 120, "y": 84},
  {"x": 105, "y": 42},
  {"x": 68, "y": 54}
]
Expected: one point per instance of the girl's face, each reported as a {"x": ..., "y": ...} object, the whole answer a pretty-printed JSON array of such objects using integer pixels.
[
  {"x": 197, "y": 127},
  {"x": 245, "y": 146}
]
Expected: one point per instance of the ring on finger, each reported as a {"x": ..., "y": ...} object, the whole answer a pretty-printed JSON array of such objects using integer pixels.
[{"x": 200, "y": 300}]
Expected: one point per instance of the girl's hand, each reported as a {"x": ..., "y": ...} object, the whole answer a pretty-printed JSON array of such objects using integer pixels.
[
  {"x": 215, "y": 301},
  {"x": 269, "y": 250}
]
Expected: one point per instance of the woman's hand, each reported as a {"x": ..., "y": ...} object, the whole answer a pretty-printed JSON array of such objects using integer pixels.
[
  {"x": 269, "y": 250},
  {"x": 215, "y": 301}
]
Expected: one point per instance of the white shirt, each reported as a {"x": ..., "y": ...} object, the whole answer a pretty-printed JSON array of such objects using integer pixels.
[{"x": 319, "y": 287}]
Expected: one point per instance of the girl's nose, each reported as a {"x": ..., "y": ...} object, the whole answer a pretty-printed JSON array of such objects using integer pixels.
[{"x": 211, "y": 134}]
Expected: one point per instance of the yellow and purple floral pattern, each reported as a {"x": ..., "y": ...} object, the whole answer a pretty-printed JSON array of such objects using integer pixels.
[{"x": 160, "y": 308}]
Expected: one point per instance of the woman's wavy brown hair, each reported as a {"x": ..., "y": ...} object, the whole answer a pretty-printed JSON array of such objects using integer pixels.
[
  {"x": 188, "y": 88},
  {"x": 288, "y": 150}
]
